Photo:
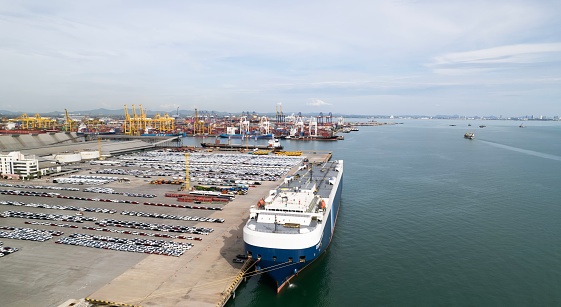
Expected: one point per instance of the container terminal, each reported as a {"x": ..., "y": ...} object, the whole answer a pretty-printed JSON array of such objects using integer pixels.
[
  {"x": 136, "y": 121},
  {"x": 129, "y": 229}
]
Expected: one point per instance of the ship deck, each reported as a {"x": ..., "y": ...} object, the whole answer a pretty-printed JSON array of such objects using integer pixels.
[{"x": 315, "y": 173}]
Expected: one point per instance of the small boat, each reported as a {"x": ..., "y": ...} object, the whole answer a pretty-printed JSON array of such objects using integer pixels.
[
  {"x": 482, "y": 126},
  {"x": 469, "y": 135},
  {"x": 237, "y": 260},
  {"x": 522, "y": 126},
  {"x": 452, "y": 125},
  {"x": 469, "y": 125}
]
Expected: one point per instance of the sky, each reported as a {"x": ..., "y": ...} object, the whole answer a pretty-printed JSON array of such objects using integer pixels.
[{"x": 430, "y": 57}]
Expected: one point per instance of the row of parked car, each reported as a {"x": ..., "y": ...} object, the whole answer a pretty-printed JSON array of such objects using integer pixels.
[
  {"x": 30, "y": 234},
  {"x": 45, "y": 194},
  {"x": 135, "y": 241},
  {"x": 112, "y": 191},
  {"x": 125, "y": 245},
  {"x": 173, "y": 217},
  {"x": 153, "y": 226},
  {"x": 57, "y": 207},
  {"x": 84, "y": 179},
  {"x": 183, "y": 206},
  {"x": 140, "y": 233},
  {"x": 138, "y": 172},
  {"x": 49, "y": 217},
  {"x": 50, "y": 224},
  {"x": 38, "y": 187},
  {"x": 123, "y": 201},
  {"x": 28, "y": 193}
]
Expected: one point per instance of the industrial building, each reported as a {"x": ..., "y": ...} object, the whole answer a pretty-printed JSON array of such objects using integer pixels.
[{"x": 15, "y": 165}]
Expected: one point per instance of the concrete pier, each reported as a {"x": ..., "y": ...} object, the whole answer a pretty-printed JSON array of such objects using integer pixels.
[{"x": 48, "y": 274}]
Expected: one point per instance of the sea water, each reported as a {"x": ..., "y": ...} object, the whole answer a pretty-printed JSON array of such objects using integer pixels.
[{"x": 429, "y": 218}]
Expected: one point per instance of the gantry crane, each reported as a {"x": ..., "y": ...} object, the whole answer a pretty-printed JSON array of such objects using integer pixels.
[
  {"x": 35, "y": 122},
  {"x": 69, "y": 121},
  {"x": 138, "y": 123}
]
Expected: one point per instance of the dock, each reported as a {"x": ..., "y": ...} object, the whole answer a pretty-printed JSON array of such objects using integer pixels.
[
  {"x": 48, "y": 274},
  {"x": 205, "y": 275}
]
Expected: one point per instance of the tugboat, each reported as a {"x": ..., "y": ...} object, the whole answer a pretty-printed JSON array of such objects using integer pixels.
[{"x": 469, "y": 135}]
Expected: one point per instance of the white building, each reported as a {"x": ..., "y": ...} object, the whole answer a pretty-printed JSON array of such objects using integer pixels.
[
  {"x": 76, "y": 156},
  {"x": 15, "y": 165}
]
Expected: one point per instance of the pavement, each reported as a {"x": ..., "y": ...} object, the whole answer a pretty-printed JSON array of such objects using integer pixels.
[{"x": 49, "y": 274}]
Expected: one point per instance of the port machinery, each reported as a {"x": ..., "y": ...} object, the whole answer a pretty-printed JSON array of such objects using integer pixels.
[
  {"x": 140, "y": 123},
  {"x": 35, "y": 122},
  {"x": 136, "y": 122}
]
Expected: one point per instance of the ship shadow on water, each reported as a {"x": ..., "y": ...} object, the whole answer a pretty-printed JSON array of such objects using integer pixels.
[{"x": 263, "y": 292}]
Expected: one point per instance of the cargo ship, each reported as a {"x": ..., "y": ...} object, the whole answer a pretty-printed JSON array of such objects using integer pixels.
[
  {"x": 247, "y": 136},
  {"x": 294, "y": 224},
  {"x": 273, "y": 144},
  {"x": 315, "y": 138},
  {"x": 164, "y": 134}
]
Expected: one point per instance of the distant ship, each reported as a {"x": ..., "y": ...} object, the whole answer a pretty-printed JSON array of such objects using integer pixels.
[
  {"x": 247, "y": 136},
  {"x": 273, "y": 144},
  {"x": 84, "y": 132},
  {"x": 293, "y": 226},
  {"x": 163, "y": 134}
]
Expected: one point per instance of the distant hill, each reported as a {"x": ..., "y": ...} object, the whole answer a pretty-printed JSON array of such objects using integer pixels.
[{"x": 121, "y": 112}]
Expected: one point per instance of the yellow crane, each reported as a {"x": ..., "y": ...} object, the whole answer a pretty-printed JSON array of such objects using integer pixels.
[
  {"x": 35, "y": 122},
  {"x": 138, "y": 123},
  {"x": 128, "y": 124},
  {"x": 168, "y": 123},
  {"x": 69, "y": 121},
  {"x": 162, "y": 123},
  {"x": 132, "y": 123},
  {"x": 99, "y": 147},
  {"x": 186, "y": 186},
  {"x": 38, "y": 122},
  {"x": 23, "y": 119}
]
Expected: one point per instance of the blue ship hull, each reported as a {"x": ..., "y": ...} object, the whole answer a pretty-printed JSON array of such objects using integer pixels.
[{"x": 280, "y": 269}]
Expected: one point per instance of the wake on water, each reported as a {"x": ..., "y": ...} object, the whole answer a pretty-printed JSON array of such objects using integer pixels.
[{"x": 524, "y": 151}]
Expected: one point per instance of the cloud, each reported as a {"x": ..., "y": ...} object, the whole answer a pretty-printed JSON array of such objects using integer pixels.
[
  {"x": 245, "y": 56},
  {"x": 497, "y": 57},
  {"x": 314, "y": 102},
  {"x": 169, "y": 106}
]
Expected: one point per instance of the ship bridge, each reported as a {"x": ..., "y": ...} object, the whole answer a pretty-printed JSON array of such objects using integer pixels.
[{"x": 298, "y": 205}]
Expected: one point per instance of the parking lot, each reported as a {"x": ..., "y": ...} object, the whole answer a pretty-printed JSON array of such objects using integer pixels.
[{"x": 47, "y": 274}]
